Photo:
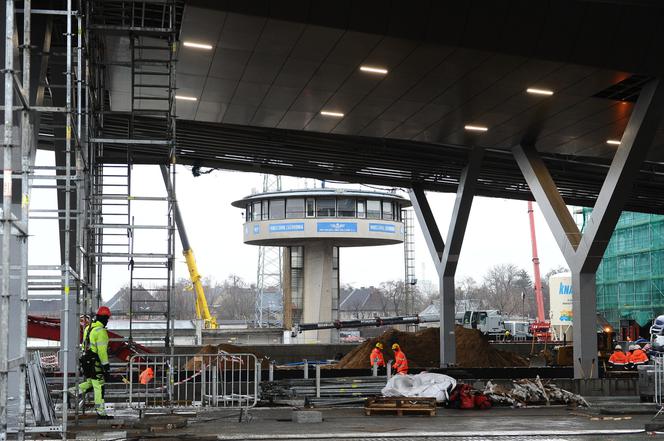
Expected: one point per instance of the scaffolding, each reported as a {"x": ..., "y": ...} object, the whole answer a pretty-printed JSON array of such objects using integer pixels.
[
  {"x": 268, "y": 309},
  {"x": 46, "y": 93},
  {"x": 630, "y": 279},
  {"x": 410, "y": 280},
  {"x": 121, "y": 234}
]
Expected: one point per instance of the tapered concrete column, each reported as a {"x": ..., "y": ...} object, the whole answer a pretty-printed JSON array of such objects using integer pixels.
[
  {"x": 317, "y": 302},
  {"x": 447, "y": 322},
  {"x": 584, "y": 330}
]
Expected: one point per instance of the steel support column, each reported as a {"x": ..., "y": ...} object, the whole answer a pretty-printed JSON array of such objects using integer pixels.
[
  {"x": 583, "y": 253},
  {"x": 446, "y": 258}
]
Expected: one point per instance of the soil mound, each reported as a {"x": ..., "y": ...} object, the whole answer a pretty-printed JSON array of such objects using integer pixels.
[
  {"x": 421, "y": 349},
  {"x": 194, "y": 363}
]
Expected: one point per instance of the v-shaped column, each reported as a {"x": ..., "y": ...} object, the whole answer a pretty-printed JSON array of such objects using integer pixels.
[
  {"x": 584, "y": 253},
  {"x": 446, "y": 257}
]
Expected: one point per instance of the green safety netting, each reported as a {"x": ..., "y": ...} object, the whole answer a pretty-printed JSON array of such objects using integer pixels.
[{"x": 630, "y": 279}]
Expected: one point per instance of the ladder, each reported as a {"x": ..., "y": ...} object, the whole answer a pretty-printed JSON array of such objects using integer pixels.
[{"x": 135, "y": 229}]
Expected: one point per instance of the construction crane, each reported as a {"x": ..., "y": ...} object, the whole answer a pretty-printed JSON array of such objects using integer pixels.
[
  {"x": 541, "y": 328},
  {"x": 202, "y": 310}
]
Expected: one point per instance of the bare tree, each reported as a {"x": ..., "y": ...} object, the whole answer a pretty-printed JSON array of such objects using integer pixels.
[
  {"x": 395, "y": 295},
  {"x": 236, "y": 300},
  {"x": 504, "y": 286}
]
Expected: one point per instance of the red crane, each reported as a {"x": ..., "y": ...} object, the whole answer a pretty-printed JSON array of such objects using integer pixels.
[{"x": 541, "y": 328}]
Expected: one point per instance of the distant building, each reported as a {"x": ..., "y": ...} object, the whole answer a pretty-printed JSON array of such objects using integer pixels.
[
  {"x": 362, "y": 303},
  {"x": 143, "y": 301}
]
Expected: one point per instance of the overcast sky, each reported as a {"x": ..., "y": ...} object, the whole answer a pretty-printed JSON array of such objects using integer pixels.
[{"x": 497, "y": 232}]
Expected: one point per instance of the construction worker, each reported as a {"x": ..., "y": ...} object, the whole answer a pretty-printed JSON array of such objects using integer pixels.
[
  {"x": 637, "y": 356},
  {"x": 618, "y": 358},
  {"x": 376, "y": 358},
  {"x": 400, "y": 362},
  {"x": 95, "y": 345}
]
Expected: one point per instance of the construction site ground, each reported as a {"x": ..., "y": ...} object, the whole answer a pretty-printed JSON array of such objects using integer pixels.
[{"x": 606, "y": 420}]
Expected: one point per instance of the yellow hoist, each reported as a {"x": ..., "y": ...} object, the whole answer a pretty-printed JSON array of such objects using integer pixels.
[{"x": 202, "y": 310}]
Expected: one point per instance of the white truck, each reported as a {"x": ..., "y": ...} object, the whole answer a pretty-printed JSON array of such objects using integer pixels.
[{"x": 489, "y": 322}]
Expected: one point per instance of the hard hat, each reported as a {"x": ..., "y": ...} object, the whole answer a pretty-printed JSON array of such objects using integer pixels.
[
  {"x": 618, "y": 348},
  {"x": 379, "y": 345},
  {"x": 395, "y": 346},
  {"x": 103, "y": 310}
]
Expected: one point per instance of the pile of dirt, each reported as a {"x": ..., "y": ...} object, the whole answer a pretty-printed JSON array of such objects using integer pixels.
[
  {"x": 194, "y": 363},
  {"x": 422, "y": 350}
]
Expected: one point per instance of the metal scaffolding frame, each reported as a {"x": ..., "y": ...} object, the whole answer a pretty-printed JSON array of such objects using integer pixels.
[
  {"x": 121, "y": 237},
  {"x": 409, "y": 281},
  {"x": 49, "y": 99},
  {"x": 269, "y": 274}
]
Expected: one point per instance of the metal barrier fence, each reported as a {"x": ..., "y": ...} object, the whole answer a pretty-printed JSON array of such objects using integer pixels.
[
  {"x": 659, "y": 381},
  {"x": 194, "y": 380}
]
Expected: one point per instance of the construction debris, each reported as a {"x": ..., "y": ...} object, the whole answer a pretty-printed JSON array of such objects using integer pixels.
[
  {"x": 531, "y": 392},
  {"x": 422, "y": 349}
]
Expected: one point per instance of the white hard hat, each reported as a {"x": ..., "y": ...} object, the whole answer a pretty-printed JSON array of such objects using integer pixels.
[{"x": 618, "y": 348}]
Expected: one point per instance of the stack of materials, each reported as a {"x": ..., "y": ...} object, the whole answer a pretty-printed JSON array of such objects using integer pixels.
[
  {"x": 341, "y": 390},
  {"x": 422, "y": 350},
  {"x": 531, "y": 392}
]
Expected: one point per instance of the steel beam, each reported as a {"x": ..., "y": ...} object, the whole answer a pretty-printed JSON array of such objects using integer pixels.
[
  {"x": 446, "y": 258},
  {"x": 584, "y": 253},
  {"x": 617, "y": 187},
  {"x": 428, "y": 224},
  {"x": 546, "y": 193}
]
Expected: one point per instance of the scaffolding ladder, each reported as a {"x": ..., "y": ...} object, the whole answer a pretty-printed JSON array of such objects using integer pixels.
[
  {"x": 134, "y": 229},
  {"x": 410, "y": 279}
]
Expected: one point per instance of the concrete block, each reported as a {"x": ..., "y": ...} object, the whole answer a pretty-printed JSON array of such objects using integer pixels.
[{"x": 307, "y": 416}]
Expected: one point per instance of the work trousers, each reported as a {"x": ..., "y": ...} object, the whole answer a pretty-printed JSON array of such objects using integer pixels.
[{"x": 97, "y": 384}]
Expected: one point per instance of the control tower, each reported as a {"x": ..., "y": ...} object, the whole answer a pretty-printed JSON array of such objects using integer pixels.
[{"x": 312, "y": 225}]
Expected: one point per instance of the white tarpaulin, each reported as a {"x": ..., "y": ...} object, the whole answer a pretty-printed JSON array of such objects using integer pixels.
[{"x": 423, "y": 385}]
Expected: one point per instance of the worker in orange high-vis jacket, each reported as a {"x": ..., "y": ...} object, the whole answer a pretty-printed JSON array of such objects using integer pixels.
[
  {"x": 376, "y": 358},
  {"x": 400, "y": 362},
  {"x": 618, "y": 358},
  {"x": 637, "y": 356}
]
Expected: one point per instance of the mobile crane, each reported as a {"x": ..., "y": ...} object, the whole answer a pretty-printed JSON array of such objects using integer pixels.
[
  {"x": 541, "y": 329},
  {"x": 202, "y": 310}
]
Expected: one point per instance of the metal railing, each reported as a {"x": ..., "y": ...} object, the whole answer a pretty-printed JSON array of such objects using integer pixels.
[
  {"x": 659, "y": 382},
  {"x": 194, "y": 380}
]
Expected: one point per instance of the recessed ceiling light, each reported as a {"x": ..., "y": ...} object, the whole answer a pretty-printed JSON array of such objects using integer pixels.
[
  {"x": 536, "y": 91},
  {"x": 328, "y": 113},
  {"x": 373, "y": 69},
  {"x": 187, "y": 151},
  {"x": 476, "y": 128},
  {"x": 186, "y": 98},
  {"x": 613, "y": 141},
  {"x": 191, "y": 44}
]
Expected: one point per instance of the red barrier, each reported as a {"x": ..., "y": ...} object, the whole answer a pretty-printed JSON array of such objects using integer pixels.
[{"x": 48, "y": 328}]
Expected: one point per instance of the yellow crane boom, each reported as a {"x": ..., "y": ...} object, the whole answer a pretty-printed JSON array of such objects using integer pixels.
[{"x": 202, "y": 310}]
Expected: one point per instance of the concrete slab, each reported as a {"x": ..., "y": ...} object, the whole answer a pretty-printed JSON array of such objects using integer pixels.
[{"x": 307, "y": 416}]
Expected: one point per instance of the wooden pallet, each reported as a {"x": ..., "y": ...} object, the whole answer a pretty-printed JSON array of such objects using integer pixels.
[{"x": 400, "y": 405}]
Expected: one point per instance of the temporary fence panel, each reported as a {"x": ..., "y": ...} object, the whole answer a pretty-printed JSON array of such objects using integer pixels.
[
  {"x": 194, "y": 380},
  {"x": 659, "y": 381}
]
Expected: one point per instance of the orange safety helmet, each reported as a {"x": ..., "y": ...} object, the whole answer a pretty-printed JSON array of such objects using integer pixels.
[{"x": 103, "y": 310}]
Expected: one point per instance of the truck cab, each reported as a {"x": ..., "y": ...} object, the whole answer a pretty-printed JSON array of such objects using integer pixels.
[{"x": 488, "y": 322}]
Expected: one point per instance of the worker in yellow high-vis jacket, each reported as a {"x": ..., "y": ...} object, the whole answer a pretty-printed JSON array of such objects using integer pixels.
[{"x": 94, "y": 362}]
